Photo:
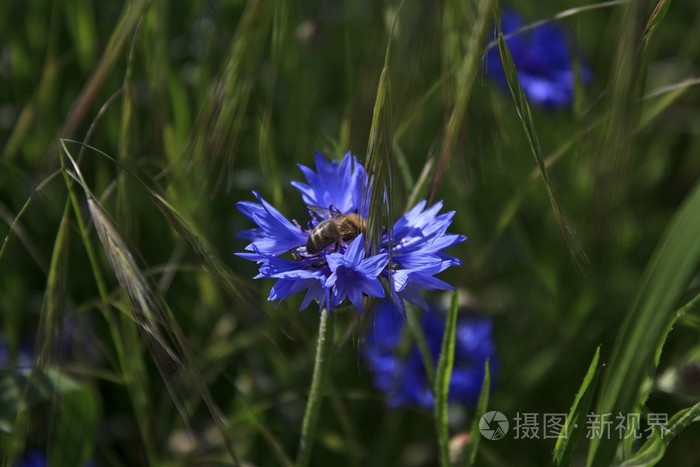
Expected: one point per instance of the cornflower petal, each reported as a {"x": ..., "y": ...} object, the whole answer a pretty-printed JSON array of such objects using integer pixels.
[
  {"x": 336, "y": 185},
  {"x": 276, "y": 235},
  {"x": 352, "y": 274}
]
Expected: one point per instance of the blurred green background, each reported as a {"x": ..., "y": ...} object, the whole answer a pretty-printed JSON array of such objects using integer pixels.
[{"x": 201, "y": 102}]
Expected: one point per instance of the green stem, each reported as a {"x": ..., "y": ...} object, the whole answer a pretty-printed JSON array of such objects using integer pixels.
[
  {"x": 442, "y": 382},
  {"x": 313, "y": 406}
]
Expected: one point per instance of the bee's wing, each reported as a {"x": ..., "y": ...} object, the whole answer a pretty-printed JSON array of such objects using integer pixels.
[{"x": 321, "y": 213}]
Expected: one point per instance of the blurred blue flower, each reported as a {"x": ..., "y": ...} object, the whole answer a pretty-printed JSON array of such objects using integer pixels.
[
  {"x": 24, "y": 359},
  {"x": 399, "y": 371},
  {"x": 35, "y": 458},
  {"x": 32, "y": 458},
  {"x": 543, "y": 60},
  {"x": 407, "y": 257}
]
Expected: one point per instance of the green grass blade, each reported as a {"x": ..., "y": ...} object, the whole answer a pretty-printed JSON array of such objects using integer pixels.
[
  {"x": 442, "y": 381},
  {"x": 481, "y": 406},
  {"x": 131, "y": 15},
  {"x": 422, "y": 184},
  {"x": 229, "y": 281},
  {"x": 465, "y": 76},
  {"x": 655, "y": 19},
  {"x": 576, "y": 419},
  {"x": 159, "y": 330},
  {"x": 213, "y": 143},
  {"x": 54, "y": 298},
  {"x": 233, "y": 285},
  {"x": 378, "y": 160},
  {"x": 646, "y": 325},
  {"x": 613, "y": 161},
  {"x": 657, "y": 101},
  {"x": 523, "y": 109}
]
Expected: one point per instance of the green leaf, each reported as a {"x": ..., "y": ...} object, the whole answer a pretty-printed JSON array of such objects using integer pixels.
[
  {"x": 646, "y": 325},
  {"x": 444, "y": 373},
  {"x": 576, "y": 419}
]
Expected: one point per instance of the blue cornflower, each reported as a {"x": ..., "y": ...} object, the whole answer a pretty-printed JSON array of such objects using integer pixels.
[
  {"x": 399, "y": 372},
  {"x": 408, "y": 255},
  {"x": 543, "y": 61}
]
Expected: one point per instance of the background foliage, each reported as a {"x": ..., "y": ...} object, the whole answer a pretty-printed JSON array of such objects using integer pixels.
[{"x": 173, "y": 111}]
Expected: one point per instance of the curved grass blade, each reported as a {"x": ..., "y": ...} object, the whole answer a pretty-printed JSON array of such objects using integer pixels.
[
  {"x": 647, "y": 323},
  {"x": 654, "y": 104},
  {"x": 680, "y": 422},
  {"x": 649, "y": 454},
  {"x": 655, "y": 19},
  {"x": 159, "y": 330},
  {"x": 576, "y": 419},
  {"x": 230, "y": 282},
  {"x": 234, "y": 287},
  {"x": 660, "y": 99},
  {"x": 442, "y": 381},
  {"x": 132, "y": 14},
  {"x": 523, "y": 109},
  {"x": 654, "y": 448}
]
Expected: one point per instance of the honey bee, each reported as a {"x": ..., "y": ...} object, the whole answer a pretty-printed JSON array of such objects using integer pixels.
[{"x": 345, "y": 227}]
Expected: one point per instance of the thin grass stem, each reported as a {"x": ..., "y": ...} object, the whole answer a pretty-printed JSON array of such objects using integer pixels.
[{"x": 313, "y": 406}]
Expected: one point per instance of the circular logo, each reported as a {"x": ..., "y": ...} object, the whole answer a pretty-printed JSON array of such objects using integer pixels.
[{"x": 493, "y": 425}]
